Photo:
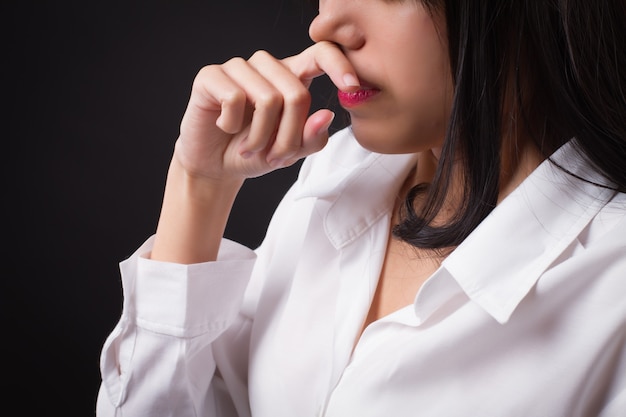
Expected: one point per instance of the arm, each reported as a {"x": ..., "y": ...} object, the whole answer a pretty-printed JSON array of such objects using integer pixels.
[
  {"x": 244, "y": 119},
  {"x": 184, "y": 292}
]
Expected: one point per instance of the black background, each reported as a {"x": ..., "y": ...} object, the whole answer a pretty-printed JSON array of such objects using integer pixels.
[{"x": 93, "y": 96}]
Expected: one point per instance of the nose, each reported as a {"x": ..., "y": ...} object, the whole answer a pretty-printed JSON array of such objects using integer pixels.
[{"x": 337, "y": 22}]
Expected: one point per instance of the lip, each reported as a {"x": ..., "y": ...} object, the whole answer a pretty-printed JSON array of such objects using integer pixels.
[{"x": 355, "y": 98}]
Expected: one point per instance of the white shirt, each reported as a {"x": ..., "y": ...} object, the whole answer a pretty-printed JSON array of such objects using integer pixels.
[{"x": 526, "y": 318}]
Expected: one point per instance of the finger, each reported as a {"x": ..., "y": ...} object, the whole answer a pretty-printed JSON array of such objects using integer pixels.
[
  {"x": 266, "y": 101},
  {"x": 314, "y": 139},
  {"x": 324, "y": 58},
  {"x": 214, "y": 91},
  {"x": 315, "y": 135},
  {"x": 296, "y": 101}
]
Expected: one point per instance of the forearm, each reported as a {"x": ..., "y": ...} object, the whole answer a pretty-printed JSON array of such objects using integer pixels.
[{"x": 193, "y": 217}]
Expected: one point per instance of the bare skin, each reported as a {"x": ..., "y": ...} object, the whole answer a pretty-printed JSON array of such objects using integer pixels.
[
  {"x": 222, "y": 141},
  {"x": 406, "y": 268},
  {"x": 246, "y": 118}
]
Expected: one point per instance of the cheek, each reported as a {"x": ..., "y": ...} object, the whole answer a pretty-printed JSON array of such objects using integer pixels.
[
  {"x": 428, "y": 91},
  {"x": 418, "y": 94},
  {"x": 429, "y": 105},
  {"x": 416, "y": 117},
  {"x": 413, "y": 116}
]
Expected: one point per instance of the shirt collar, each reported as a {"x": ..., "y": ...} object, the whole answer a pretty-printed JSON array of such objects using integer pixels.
[
  {"x": 502, "y": 259},
  {"x": 344, "y": 174}
]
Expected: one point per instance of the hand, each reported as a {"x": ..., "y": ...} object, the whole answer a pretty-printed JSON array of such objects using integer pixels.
[{"x": 247, "y": 118}]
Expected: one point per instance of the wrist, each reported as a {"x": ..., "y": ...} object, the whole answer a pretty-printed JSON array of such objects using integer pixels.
[
  {"x": 193, "y": 216},
  {"x": 200, "y": 189}
]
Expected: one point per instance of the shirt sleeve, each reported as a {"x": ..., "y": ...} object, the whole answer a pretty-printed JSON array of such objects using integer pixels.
[{"x": 159, "y": 360}]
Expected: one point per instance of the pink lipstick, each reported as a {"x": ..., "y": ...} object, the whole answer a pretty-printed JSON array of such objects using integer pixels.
[{"x": 354, "y": 98}]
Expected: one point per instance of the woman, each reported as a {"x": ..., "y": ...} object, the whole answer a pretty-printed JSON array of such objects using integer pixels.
[{"x": 458, "y": 250}]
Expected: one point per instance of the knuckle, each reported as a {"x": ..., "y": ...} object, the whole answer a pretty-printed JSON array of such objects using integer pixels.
[
  {"x": 233, "y": 96},
  {"x": 260, "y": 55},
  {"x": 298, "y": 97},
  {"x": 206, "y": 72},
  {"x": 232, "y": 65},
  {"x": 269, "y": 99},
  {"x": 235, "y": 61},
  {"x": 205, "y": 78}
]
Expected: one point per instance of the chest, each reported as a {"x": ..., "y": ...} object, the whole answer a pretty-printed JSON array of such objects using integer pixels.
[
  {"x": 404, "y": 271},
  {"x": 303, "y": 359}
]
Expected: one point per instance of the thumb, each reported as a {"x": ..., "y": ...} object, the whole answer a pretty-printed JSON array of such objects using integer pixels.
[
  {"x": 314, "y": 137},
  {"x": 315, "y": 133}
]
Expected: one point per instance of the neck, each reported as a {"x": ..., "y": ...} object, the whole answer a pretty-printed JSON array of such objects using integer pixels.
[{"x": 520, "y": 157}]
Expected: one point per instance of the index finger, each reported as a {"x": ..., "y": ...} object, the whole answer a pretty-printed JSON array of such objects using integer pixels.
[{"x": 323, "y": 58}]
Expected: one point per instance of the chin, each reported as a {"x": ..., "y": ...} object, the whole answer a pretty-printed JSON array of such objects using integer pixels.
[
  {"x": 388, "y": 138},
  {"x": 385, "y": 141}
]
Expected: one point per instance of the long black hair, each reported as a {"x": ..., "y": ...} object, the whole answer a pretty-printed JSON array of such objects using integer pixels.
[{"x": 559, "y": 65}]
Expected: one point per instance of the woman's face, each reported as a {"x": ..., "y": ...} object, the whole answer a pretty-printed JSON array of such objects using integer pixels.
[{"x": 399, "y": 52}]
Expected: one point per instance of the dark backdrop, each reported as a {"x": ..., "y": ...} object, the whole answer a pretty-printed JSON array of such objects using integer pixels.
[{"x": 92, "y": 103}]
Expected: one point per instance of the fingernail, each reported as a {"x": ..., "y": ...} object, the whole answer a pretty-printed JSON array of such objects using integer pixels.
[
  {"x": 326, "y": 125},
  {"x": 350, "y": 80}
]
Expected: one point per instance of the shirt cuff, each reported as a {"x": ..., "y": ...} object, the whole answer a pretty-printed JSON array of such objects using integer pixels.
[{"x": 186, "y": 300}]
